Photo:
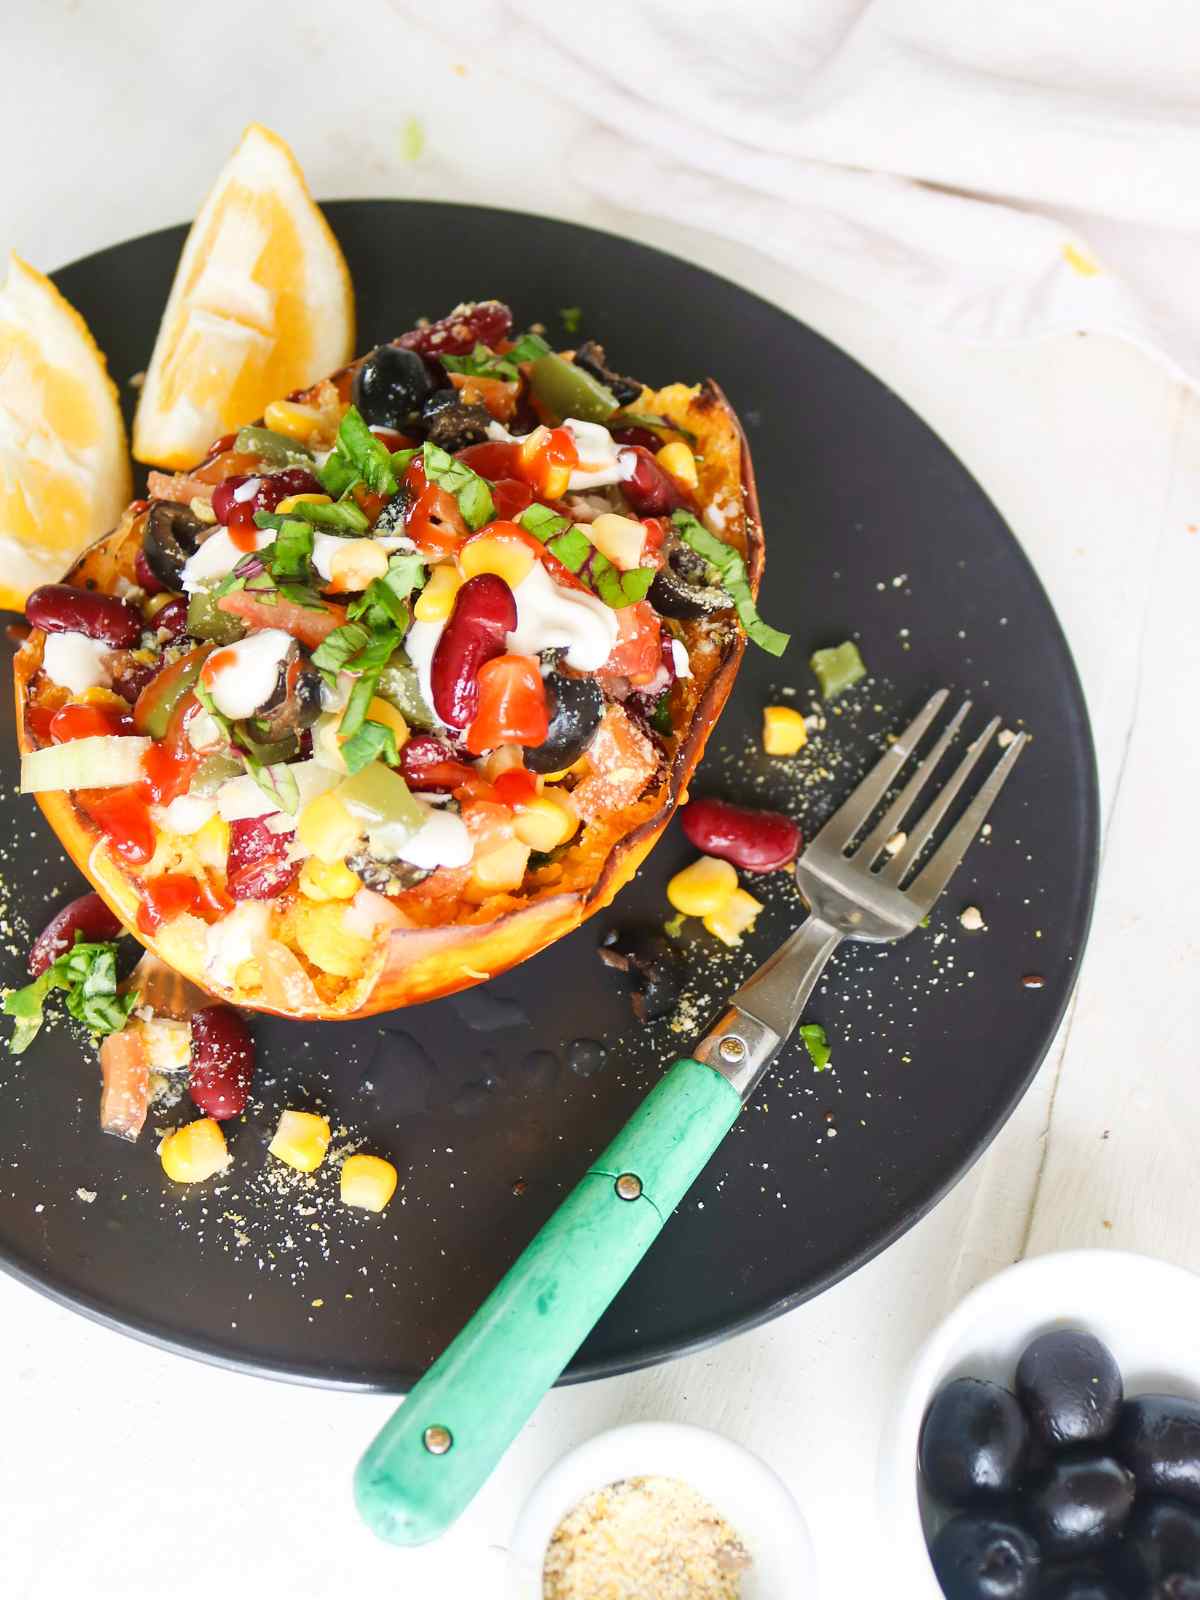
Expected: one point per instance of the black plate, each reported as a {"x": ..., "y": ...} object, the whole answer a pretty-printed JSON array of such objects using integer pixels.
[{"x": 486, "y": 1103}]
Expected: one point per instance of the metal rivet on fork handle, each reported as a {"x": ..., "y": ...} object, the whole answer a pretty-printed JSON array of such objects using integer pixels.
[
  {"x": 629, "y": 1186},
  {"x": 732, "y": 1049},
  {"x": 437, "y": 1440}
]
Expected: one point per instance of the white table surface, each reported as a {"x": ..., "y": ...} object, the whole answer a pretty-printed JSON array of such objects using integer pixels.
[{"x": 129, "y": 1472}]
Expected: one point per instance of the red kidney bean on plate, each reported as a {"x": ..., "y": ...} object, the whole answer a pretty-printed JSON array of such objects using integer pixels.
[
  {"x": 486, "y": 322},
  {"x": 258, "y": 867},
  {"x": 59, "y": 608},
  {"x": 87, "y": 915},
  {"x": 484, "y": 613},
  {"x": 757, "y": 841},
  {"x": 222, "y": 1062},
  {"x": 650, "y": 490},
  {"x": 272, "y": 487}
]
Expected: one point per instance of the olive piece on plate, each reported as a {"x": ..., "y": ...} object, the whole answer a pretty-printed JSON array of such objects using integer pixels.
[
  {"x": 575, "y": 707},
  {"x": 452, "y": 424},
  {"x": 171, "y": 535},
  {"x": 294, "y": 703},
  {"x": 681, "y": 588},
  {"x": 391, "y": 386},
  {"x": 974, "y": 1442},
  {"x": 1070, "y": 1387},
  {"x": 985, "y": 1558},
  {"x": 654, "y": 964},
  {"x": 1161, "y": 1545},
  {"x": 1080, "y": 1505},
  {"x": 1158, "y": 1438}
]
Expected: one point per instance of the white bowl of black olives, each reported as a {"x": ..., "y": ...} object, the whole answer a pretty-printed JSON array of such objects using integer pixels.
[{"x": 1047, "y": 1446}]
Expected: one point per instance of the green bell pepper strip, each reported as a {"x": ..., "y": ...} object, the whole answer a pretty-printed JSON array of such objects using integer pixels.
[
  {"x": 566, "y": 390},
  {"x": 206, "y": 620},
  {"x": 276, "y": 448},
  {"x": 158, "y": 700}
]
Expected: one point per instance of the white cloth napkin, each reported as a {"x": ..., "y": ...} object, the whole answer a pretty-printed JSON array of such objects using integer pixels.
[{"x": 1002, "y": 171}]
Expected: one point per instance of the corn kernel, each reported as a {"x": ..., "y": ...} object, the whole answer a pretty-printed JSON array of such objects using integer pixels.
[
  {"x": 509, "y": 558},
  {"x": 202, "y": 510},
  {"x": 546, "y": 821},
  {"x": 381, "y": 710},
  {"x": 355, "y": 564},
  {"x": 556, "y": 480},
  {"x": 211, "y": 844},
  {"x": 679, "y": 461},
  {"x": 326, "y": 829},
  {"x": 368, "y": 1182},
  {"x": 784, "y": 731},
  {"x": 703, "y": 887},
  {"x": 621, "y": 539},
  {"x": 155, "y": 604},
  {"x": 328, "y": 880},
  {"x": 501, "y": 868},
  {"x": 194, "y": 1152},
  {"x": 734, "y": 918},
  {"x": 290, "y": 418},
  {"x": 294, "y": 500},
  {"x": 105, "y": 698},
  {"x": 301, "y": 1140},
  {"x": 436, "y": 600},
  {"x": 321, "y": 932}
]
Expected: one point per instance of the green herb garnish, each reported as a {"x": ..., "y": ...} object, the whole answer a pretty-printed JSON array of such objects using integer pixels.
[
  {"x": 837, "y": 668},
  {"x": 571, "y": 548},
  {"x": 571, "y": 316},
  {"x": 620, "y": 589},
  {"x": 274, "y": 447},
  {"x": 816, "y": 1044},
  {"x": 541, "y": 522},
  {"x": 731, "y": 570},
  {"x": 345, "y": 515},
  {"x": 276, "y": 780},
  {"x": 485, "y": 363},
  {"x": 372, "y": 742},
  {"x": 384, "y": 604},
  {"x": 360, "y": 453},
  {"x": 88, "y": 974},
  {"x": 338, "y": 648},
  {"x": 660, "y": 717},
  {"x": 468, "y": 488}
]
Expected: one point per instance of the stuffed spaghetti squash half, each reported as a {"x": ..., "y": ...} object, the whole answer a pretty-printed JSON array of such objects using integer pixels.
[{"x": 399, "y": 686}]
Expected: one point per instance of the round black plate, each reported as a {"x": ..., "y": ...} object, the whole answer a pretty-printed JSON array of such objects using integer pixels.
[{"x": 489, "y": 1104}]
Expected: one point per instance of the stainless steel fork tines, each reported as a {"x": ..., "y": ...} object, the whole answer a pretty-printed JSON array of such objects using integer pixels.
[{"x": 849, "y": 896}]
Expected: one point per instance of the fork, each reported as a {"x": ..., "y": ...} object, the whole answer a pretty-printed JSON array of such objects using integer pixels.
[{"x": 434, "y": 1454}]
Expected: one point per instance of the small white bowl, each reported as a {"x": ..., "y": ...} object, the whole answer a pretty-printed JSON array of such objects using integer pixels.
[
  {"x": 1145, "y": 1311},
  {"x": 748, "y": 1494}
]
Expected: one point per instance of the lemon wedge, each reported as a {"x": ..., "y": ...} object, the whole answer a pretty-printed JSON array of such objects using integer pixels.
[
  {"x": 64, "y": 464},
  {"x": 261, "y": 304}
]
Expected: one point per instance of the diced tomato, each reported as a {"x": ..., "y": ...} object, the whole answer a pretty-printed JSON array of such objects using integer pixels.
[
  {"x": 515, "y": 787},
  {"x": 489, "y": 824},
  {"x": 512, "y": 705},
  {"x": 258, "y": 868},
  {"x": 123, "y": 817},
  {"x": 124, "y": 1083},
  {"x": 434, "y": 522},
  {"x": 493, "y": 459},
  {"x": 656, "y": 534},
  {"x": 310, "y": 626},
  {"x": 172, "y": 893},
  {"x": 77, "y": 721},
  {"x": 170, "y": 762},
  {"x": 545, "y": 460},
  {"x": 428, "y": 764},
  {"x": 511, "y": 497},
  {"x": 638, "y": 650},
  {"x": 38, "y": 719}
]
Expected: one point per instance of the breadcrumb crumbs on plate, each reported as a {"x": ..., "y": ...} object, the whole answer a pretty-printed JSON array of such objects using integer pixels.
[{"x": 651, "y": 1537}]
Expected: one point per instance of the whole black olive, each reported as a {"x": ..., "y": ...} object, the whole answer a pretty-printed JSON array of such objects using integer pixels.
[
  {"x": 681, "y": 588},
  {"x": 1081, "y": 1505},
  {"x": 985, "y": 1558},
  {"x": 391, "y": 386},
  {"x": 575, "y": 707},
  {"x": 974, "y": 1442},
  {"x": 171, "y": 535},
  {"x": 590, "y": 356},
  {"x": 1158, "y": 1438},
  {"x": 294, "y": 703},
  {"x": 1070, "y": 1387},
  {"x": 655, "y": 965},
  {"x": 453, "y": 425},
  {"x": 1080, "y": 1583},
  {"x": 1162, "y": 1542}
]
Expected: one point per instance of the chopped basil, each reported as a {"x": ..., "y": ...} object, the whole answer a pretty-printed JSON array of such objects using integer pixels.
[
  {"x": 572, "y": 548},
  {"x": 816, "y": 1044},
  {"x": 403, "y": 459},
  {"x": 88, "y": 974},
  {"x": 337, "y": 648},
  {"x": 372, "y": 742},
  {"x": 344, "y": 515},
  {"x": 277, "y": 781},
  {"x": 571, "y": 316},
  {"x": 618, "y": 589},
  {"x": 541, "y": 522},
  {"x": 529, "y": 347},
  {"x": 368, "y": 662},
  {"x": 483, "y": 363},
  {"x": 468, "y": 488},
  {"x": 385, "y": 602},
  {"x": 274, "y": 447},
  {"x": 838, "y": 668},
  {"x": 358, "y": 448},
  {"x": 732, "y": 572},
  {"x": 291, "y": 553}
]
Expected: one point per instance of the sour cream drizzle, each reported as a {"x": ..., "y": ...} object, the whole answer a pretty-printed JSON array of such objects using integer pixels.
[
  {"x": 217, "y": 556},
  {"x": 241, "y": 677},
  {"x": 550, "y": 617}
]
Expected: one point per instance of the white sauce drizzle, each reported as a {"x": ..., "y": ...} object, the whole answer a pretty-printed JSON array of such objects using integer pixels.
[
  {"x": 77, "y": 662},
  {"x": 246, "y": 672},
  {"x": 216, "y": 557},
  {"x": 553, "y": 618}
]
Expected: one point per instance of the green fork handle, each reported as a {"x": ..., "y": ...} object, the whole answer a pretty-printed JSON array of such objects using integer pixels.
[{"x": 438, "y": 1449}]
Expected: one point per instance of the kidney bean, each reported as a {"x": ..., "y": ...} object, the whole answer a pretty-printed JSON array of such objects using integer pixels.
[
  {"x": 650, "y": 490},
  {"x": 758, "y": 841},
  {"x": 635, "y": 435},
  {"x": 58, "y": 608},
  {"x": 222, "y": 1066},
  {"x": 427, "y": 763},
  {"x": 485, "y": 322},
  {"x": 130, "y": 677},
  {"x": 272, "y": 488},
  {"x": 258, "y": 868},
  {"x": 174, "y": 618},
  {"x": 484, "y": 613},
  {"x": 87, "y": 916},
  {"x": 143, "y": 574}
]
